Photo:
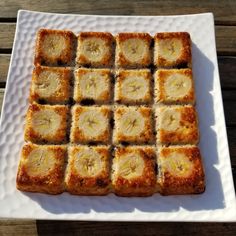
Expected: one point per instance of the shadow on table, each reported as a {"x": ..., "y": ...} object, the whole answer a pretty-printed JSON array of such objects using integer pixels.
[{"x": 213, "y": 197}]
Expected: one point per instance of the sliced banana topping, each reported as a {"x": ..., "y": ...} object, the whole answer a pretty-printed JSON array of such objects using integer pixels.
[
  {"x": 170, "y": 49},
  {"x": 89, "y": 163},
  {"x": 47, "y": 83},
  {"x": 134, "y": 49},
  {"x": 94, "y": 49},
  {"x": 93, "y": 84},
  {"x": 177, "y": 85},
  {"x": 54, "y": 45},
  {"x": 40, "y": 162},
  {"x": 134, "y": 87},
  {"x": 177, "y": 164},
  {"x": 130, "y": 166},
  {"x": 132, "y": 123},
  {"x": 46, "y": 122},
  {"x": 92, "y": 123},
  {"x": 170, "y": 119}
]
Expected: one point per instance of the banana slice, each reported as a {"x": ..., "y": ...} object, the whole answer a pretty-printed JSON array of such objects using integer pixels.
[
  {"x": 170, "y": 49},
  {"x": 46, "y": 122},
  {"x": 177, "y": 85},
  {"x": 134, "y": 49},
  {"x": 132, "y": 123},
  {"x": 170, "y": 119},
  {"x": 134, "y": 87},
  {"x": 54, "y": 45},
  {"x": 94, "y": 49},
  {"x": 177, "y": 164},
  {"x": 89, "y": 163},
  {"x": 130, "y": 166},
  {"x": 40, "y": 162},
  {"x": 47, "y": 83},
  {"x": 93, "y": 84},
  {"x": 92, "y": 123}
]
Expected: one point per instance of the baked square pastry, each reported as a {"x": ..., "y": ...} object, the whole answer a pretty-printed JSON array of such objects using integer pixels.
[
  {"x": 172, "y": 49},
  {"x": 177, "y": 125},
  {"x": 133, "y": 125},
  {"x": 95, "y": 49},
  {"x": 46, "y": 124},
  {"x": 88, "y": 170},
  {"x": 50, "y": 85},
  {"x": 92, "y": 85},
  {"x": 133, "y": 171},
  {"x": 180, "y": 170},
  {"x": 133, "y": 86},
  {"x": 55, "y": 48},
  {"x": 133, "y": 50},
  {"x": 174, "y": 86},
  {"x": 90, "y": 124},
  {"x": 41, "y": 168}
]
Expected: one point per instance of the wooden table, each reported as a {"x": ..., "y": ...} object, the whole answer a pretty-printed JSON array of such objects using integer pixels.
[{"x": 225, "y": 21}]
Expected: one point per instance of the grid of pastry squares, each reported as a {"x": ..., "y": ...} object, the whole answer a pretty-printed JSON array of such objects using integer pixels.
[{"x": 111, "y": 114}]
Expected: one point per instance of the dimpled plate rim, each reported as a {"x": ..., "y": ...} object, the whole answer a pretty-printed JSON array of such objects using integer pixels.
[{"x": 216, "y": 204}]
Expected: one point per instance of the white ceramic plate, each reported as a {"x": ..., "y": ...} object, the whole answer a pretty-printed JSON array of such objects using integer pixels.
[{"x": 216, "y": 204}]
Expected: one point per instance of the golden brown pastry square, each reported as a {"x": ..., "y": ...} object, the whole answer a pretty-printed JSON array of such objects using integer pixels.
[
  {"x": 41, "y": 168},
  {"x": 92, "y": 85},
  {"x": 54, "y": 48},
  {"x": 174, "y": 86},
  {"x": 133, "y": 171},
  {"x": 50, "y": 85},
  {"x": 172, "y": 49},
  {"x": 133, "y": 86},
  {"x": 177, "y": 125},
  {"x": 46, "y": 124},
  {"x": 133, "y": 125},
  {"x": 95, "y": 49},
  {"x": 133, "y": 50},
  {"x": 90, "y": 124},
  {"x": 180, "y": 170},
  {"x": 88, "y": 171}
]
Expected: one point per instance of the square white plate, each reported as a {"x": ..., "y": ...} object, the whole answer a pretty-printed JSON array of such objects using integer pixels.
[{"x": 216, "y": 204}]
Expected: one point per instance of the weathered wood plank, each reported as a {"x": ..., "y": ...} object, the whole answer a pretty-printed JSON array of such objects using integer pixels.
[
  {"x": 4, "y": 65},
  {"x": 225, "y": 38},
  {"x": 224, "y": 11},
  {"x": 18, "y": 228},
  {"x": 134, "y": 228},
  {"x": 1, "y": 98},
  {"x": 7, "y": 32},
  {"x": 30, "y": 227},
  {"x": 231, "y": 133},
  {"x": 227, "y": 69}
]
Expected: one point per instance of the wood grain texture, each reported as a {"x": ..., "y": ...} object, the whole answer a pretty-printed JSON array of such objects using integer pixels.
[
  {"x": 231, "y": 132},
  {"x": 61, "y": 228},
  {"x": 227, "y": 69},
  {"x": 132, "y": 228},
  {"x": 4, "y": 66},
  {"x": 7, "y": 32},
  {"x": 1, "y": 98},
  {"x": 18, "y": 228},
  {"x": 225, "y": 38},
  {"x": 224, "y": 11}
]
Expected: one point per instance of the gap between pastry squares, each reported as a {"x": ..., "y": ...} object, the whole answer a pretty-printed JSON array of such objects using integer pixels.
[{"x": 124, "y": 104}]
